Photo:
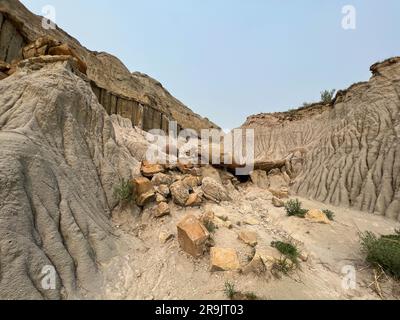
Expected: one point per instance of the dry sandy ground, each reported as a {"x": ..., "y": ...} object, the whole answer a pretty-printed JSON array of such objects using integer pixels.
[{"x": 148, "y": 269}]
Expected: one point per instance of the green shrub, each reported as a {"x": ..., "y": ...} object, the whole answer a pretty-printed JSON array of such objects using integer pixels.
[
  {"x": 330, "y": 214},
  {"x": 283, "y": 265},
  {"x": 327, "y": 96},
  {"x": 383, "y": 251},
  {"x": 124, "y": 191},
  {"x": 210, "y": 226},
  {"x": 293, "y": 208},
  {"x": 287, "y": 249},
  {"x": 230, "y": 290}
]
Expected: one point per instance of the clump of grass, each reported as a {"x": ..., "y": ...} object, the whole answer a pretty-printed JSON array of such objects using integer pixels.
[
  {"x": 293, "y": 208},
  {"x": 330, "y": 214},
  {"x": 230, "y": 290},
  {"x": 289, "y": 250},
  {"x": 383, "y": 251},
  {"x": 123, "y": 192},
  {"x": 283, "y": 265},
  {"x": 210, "y": 226},
  {"x": 233, "y": 294}
]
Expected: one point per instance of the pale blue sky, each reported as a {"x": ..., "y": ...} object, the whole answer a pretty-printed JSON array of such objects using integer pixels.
[{"x": 228, "y": 59}]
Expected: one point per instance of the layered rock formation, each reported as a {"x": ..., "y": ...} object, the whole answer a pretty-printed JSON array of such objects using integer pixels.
[
  {"x": 133, "y": 95},
  {"x": 344, "y": 153}
]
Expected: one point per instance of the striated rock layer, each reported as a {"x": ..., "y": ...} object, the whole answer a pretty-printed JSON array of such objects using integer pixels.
[
  {"x": 60, "y": 159},
  {"x": 345, "y": 153},
  {"x": 120, "y": 91}
]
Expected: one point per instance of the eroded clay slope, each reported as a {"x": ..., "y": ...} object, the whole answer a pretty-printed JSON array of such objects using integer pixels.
[
  {"x": 106, "y": 71},
  {"x": 59, "y": 161},
  {"x": 346, "y": 153}
]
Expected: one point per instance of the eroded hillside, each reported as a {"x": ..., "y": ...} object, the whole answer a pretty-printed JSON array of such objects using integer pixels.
[{"x": 344, "y": 153}]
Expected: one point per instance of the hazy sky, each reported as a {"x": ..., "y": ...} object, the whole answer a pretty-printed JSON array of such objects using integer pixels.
[{"x": 228, "y": 59}]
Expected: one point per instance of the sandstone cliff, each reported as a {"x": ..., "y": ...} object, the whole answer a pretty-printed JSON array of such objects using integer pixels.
[
  {"x": 345, "y": 153},
  {"x": 115, "y": 85}
]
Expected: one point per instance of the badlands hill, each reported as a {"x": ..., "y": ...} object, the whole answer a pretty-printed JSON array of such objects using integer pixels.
[
  {"x": 72, "y": 129},
  {"x": 345, "y": 153}
]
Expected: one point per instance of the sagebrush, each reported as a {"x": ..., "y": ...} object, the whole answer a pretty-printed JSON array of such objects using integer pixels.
[
  {"x": 293, "y": 208},
  {"x": 123, "y": 192},
  {"x": 383, "y": 251}
]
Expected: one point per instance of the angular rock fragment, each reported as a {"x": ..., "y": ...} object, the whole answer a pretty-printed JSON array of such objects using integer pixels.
[
  {"x": 195, "y": 199},
  {"x": 277, "y": 202},
  {"x": 143, "y": 190},
  {"x": 223, "y": 259},
  {"x": 180, "y": 193},
  {"x": 162, "y": 210},
  {"x": 214, "y": 191},
  {"x": 317, "y": 216},
  {"x": 192, "y": 235},
  {"x": 149, "y": 170},
  {"x": 162, "y": 179},
  {"x": 248, "y": 237}
]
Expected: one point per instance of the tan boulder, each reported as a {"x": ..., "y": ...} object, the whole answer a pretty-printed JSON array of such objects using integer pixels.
[
  {"x": 180, "y": 193},
  {"x": 195, "y": 200},
  {"x": 209, "y": 171},
  {"x": 162, "y": 179},
  {"x": 281, "y": 193},
  {"x": 251, "y": 221},
  {"x": 192, "y": 235},
  {"x": 143, "y": 190},
  {"x": 248, "y": 237},
  {"x": 149, "y": 170},
  {"x": 277, "y": 202},
  {"x": 191, "y": 182},
  {"x": 163, "y": 190},
  {"x": 214, "y": 191},
  {"x": 223, "y": 259},
  {"x": 317, "y": 216},
  {"x": 259, "y": 179},
  {"x": 160, "y": 198},
  {"x": 269, "y": 256},
  {"x": 65, "y": 50},
  {"x": 162, "y": 210},
  {"x": 185, "y": 168}
]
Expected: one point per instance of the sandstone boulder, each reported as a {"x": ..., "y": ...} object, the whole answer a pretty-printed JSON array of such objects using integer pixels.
[
  {"x": 162, "y": 210},
  {"x": 194, "y": 200},
  {"x": 209, "y": 171},
  {"x": 143, "y": 190},
  {"x": 162, "y": 179},
  {"x": 269, "y": 256},
  {"x": 214, "y": 191},
  {"x": 192, "y": 236},
  {"x": 149, "y": 170},
  {"x": 256, "y": 266},
  {"x": 317, "y": 216},
  {"x": 163, "y": 190},
  {"x": 223, "y": 259},
  {"x": 260, "y": 179},
  {"x": 281, "y": 193},
  {"x": 180, "y": 193},
  {"x": 277, "y": 202},
  {"x": 248, "y": 237},
  {"x": 191, "y": 181}
]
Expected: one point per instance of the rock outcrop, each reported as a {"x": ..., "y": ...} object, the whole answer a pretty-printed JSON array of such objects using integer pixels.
[
  {"x": 131, "y": 95},
  {"x": 343, "y": 153}
]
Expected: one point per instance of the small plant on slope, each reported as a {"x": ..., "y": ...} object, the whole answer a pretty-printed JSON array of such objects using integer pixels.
[
  {"x": 287, "y": 249},
  {"x": 327, "y": 96},
  {"x": 383, "y": 251},
  {"x": 123, "y": 191},
  {"x": 330, "y": 214},
  {"x": 293, "y": 208},
  {"x": 230, "y": 290}
]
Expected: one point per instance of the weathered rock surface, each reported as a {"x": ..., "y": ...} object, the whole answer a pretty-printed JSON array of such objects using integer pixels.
[
  {"x": 143, "y": 190},
  {"x": 59, "y": 162},
  {"x": 316, "y": 215},
  {"x": 223, "y": 259},
  {"x": 131, "y": 95},
  {"x": 192, "y": 235},
  {"x": 214, "y": 191},
  {"x": 346, "y": 153}
]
